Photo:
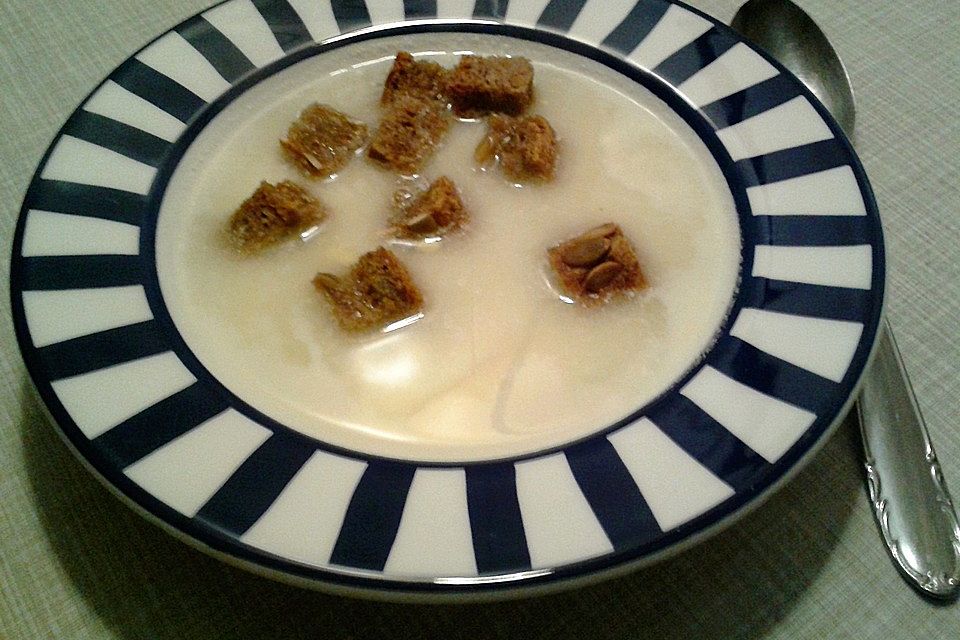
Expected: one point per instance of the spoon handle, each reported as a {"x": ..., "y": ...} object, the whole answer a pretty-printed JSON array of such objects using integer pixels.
[{"x": 910, "y": 499}]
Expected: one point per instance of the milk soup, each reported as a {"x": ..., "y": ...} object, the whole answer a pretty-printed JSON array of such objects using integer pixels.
[{"x": 499, "y": 365}]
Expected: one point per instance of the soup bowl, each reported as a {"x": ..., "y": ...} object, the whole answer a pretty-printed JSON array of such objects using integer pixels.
[{"x": 156, "y": 414}]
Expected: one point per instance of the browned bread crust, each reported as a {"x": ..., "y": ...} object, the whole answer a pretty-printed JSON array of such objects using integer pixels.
[
  {"x": 493, "y": 84},
  {"x": 272, "y": 214},
  {"x": 433, "y": 213},
  {"x": 322, "y": 140},
  {"x": 421, "y": 79},
  {"x": 597, "y": 265},
  {"x": 525, "y": 147},
  {"x": 377, "y": 291},
  {"x": 408, "y": 134}
]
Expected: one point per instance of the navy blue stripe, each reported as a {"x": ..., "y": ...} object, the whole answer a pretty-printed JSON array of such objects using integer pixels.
[
  {"x": 255, "y": 485},
  {"x": 217, "y": 48},
  {"x": 560, "y": 14},
  {"x": 792, "y": 163},
  {"x": 87, "y": 200},
  {"x": 101, "y": 350},
  {"x": 835, "y": 303},
  {"x": 54, "y": 273},
  {"x": 812, "y": 231},
  {"x": 373, "y": 517},
  {"x": 490, "y": 9},
  {"x": 695, "y": 56},
  {"x": 157, "y": 89},
  {"x": 351, "y": 14},
  {"x": 420, "y": 8},
  {"x": 636, "y": 26},
  {"x": 772, "y": 376},
  {"x": 612, "y": 493},
  {"x": 499, "y": 541},
  {"x": 706, "y": 440},
  {"x": 284, "y": 22},
  {"x": 751, "y": 101},
  {"x": 155, "y": 426},
  {"x": 117, "y": 136}
]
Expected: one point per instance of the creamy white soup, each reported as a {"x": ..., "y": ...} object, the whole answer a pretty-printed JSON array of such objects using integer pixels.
[{"x": 499, "y": 364}]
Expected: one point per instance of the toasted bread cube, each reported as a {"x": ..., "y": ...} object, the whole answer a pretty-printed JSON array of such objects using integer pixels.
[
  {"x": 597, "y": 265},
  {"x": 480, "y": 85},
  {"x": 525, "y": 147},
  {"x": 408, "y": 134},
  {"x": 322, "y": 141},
  {"x": 378, "y": 291},
  {"x": 421, "y": 79},
  {"x": 435, "y": 212},
  {"x": 272, "y": 214}
]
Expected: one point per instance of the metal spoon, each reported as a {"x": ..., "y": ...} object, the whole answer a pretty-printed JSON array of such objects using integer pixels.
[{"x": 910, "y": 500}]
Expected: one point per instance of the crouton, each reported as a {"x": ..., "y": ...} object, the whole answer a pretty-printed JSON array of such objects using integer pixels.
[
  {"x": 433, "y": 213},
  {"x": 494, "y": 84},
  {"x": 322, "y": 140},
  {"x": 408, "y": 134},
  {"x": 377, "y": 292},
  {"x": 272, "y": 214},
  {"x": 596, "y": 265},
  {"x": 525, "y": 147},
  {"x": 421, "y": 79}
]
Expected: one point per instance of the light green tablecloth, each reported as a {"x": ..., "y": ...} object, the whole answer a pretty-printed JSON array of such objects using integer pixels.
[{"x": 76, "y": 563}]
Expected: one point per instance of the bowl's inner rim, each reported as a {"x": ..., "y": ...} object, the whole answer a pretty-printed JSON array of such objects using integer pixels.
[
  {"x": 657, "y": 86},
  {"x": 198, "y": 369}
]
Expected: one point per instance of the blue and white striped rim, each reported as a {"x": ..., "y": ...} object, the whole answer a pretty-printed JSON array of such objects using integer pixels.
[{"x": 132, "y": 400}]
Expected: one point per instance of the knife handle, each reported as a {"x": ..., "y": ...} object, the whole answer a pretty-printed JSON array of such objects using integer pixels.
[{"x": 909, "y": 497}]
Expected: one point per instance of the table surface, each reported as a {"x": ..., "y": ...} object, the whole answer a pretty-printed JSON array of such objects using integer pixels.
[{"x": 76, "y": 563}]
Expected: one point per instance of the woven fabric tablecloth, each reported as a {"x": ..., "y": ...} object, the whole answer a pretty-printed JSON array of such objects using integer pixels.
[{"x": 76, "y": 563}]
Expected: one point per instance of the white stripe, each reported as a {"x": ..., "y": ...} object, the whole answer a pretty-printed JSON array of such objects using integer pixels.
[
  {"x": 115, "y": 102},
  {"x": 833, "y": 192},
  {"x": 598, "y": 18},
  {"x": 385, "y": 11},
  {"x": 525, "y": 13},
  {"x": 737, "y": 69},
  {"x": 434, "y": 537},
  {"x": 47, "y": 233},
  {"x": 243, "y": 25},
  {"x": 188, "y": 470},
  {"x": 788, "y": 125},
  {"x": 75, "y": 160},
  {"x": 767, "y": 425},
  {"x": 820, "y": 345},
  {"x": 559, "y": 524},
  {"x": 455, "y": 8},
  {"x": 175, "y": 58},
  {"x": 55, "y": 316},
  {"x": 675, "y": 30},
  {"x": 318, "y": 17},
  {"x": 847, "y": 266},
  {"x": 674, "y": 485},
  {"x": 100, "y": 400},
  {"x": 303, "y": 523}
]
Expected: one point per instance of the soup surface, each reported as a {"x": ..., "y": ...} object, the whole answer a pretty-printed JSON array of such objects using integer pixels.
[{"x": 499, "y": 364}]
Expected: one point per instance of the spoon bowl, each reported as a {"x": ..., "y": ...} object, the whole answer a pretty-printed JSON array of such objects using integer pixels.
[{"x": 794, "y": 39}]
